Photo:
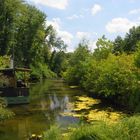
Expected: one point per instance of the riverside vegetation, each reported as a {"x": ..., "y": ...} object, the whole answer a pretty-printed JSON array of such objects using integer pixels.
[
  {"x": 111, "y": 71},
  {"x": 127, "y": 129}
]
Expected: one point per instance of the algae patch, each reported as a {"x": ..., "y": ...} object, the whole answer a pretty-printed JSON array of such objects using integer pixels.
[{"x": 91, "y": 110}]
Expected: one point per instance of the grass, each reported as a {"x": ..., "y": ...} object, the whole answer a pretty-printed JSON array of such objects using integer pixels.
[
  {"x": 126, "y": 129},
  {"x": 53, "y": 134}
]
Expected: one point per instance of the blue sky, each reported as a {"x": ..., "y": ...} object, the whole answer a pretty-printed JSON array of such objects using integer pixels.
[{"x": 90, "y": 19}]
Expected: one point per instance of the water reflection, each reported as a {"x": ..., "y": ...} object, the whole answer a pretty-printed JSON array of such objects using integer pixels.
[
  {"x": 47, "y": 101},
  {"x": 53, "y": 102}
]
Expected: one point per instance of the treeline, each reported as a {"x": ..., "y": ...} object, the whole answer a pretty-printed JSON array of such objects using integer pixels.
[
  {"x": 111, "y": 71},
  {"x": 23, "y": 32}
]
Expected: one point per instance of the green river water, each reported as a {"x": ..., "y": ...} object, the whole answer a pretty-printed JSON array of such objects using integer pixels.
[{"x": 52, "y": 102}]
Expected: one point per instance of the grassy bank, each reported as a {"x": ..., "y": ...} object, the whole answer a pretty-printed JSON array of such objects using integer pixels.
[{"x": 126, "y": 129}]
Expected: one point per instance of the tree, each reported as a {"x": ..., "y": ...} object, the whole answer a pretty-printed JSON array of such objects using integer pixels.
[
  {"x": 80, "y": 54},
  {"x": 118, "y": 45},
  {"x": 131, "y": 39},
  {"x": 30, "y": 36},
  {"x": 104, "y": 47},
  {"x": 76, "y": 69},
  {"x": 137, "y": 55},
  {"x": 58, "y": 63},
  {"x": 8, "y": 12}
]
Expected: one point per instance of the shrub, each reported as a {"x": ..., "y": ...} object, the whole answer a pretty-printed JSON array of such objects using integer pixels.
[
  {"x": 4, "y": 113},
  {"x": 41, "y": 71},
  {"x": 52, "y": 134},
  {"x": 127, "y": 129}
]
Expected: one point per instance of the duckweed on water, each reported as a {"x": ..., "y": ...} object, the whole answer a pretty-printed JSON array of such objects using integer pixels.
[{"x": 84, "y": 107}]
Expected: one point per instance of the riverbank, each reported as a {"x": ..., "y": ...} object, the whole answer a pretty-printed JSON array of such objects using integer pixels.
[
  {"x": 126, "y": 129},
  {"x": 52, "y": 102}
]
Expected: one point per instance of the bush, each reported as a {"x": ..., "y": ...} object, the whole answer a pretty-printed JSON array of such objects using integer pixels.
[
  {"x": 52, "y": 134},
  {"x": 91, "y": 132},
  {"x": 41, "y": 71},
  {"x": 114, "y": 78},
  {"x": 126, "y": 129},
  {"x": 4, "y": 61},
  {"x": 4, "y": 113}
]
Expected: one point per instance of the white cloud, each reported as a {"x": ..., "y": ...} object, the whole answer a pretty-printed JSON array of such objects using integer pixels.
[
  {"x": 66, "y": 36},
  {"x": 85, "y": 35},
  {"x": 82, "y": 35},
  {"x": 134, "y": 11},
  {"x": 59, "y": 4},
  {"x": 55, "y": 22},
  {"x": 92, "y": 45},
  {"x": 75, "y": 17},
  {"x": 120, "y": 25},
  {"x": 96, "y": 9}
]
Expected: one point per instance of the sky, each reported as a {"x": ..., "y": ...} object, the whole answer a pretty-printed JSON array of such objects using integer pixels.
[{"x": 75, "y": 20}]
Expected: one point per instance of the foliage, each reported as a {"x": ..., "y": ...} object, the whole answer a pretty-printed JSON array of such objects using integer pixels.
[
  {"x": 113, "y": 75},
  {"x": 129, "y": 43},
  {"x": 29, "y": 36},
  {"x": 3, "y": 80},
  {"x": 4, "y": 113},
  {"x": 23, "y": 32},
  {"x": 126, "y": 129},
  {"x": 41, "y": 70},
  {"x": 75, "y": 70},
  {"x": 131, "y": 39},
  {"x": 137, "y": 55},
  {"x": 104, "y": 47},
  {"x": 53, "y": 134},
  {"x": 58, "y": 62},
  {"x": 8, "y": 12},
  {"x": 4, "y": 61},
  {"x": 118, "y": 45},
  {"x": 80, "y": 54},
  {"x": 110, "y": 76},
  {"x": 114, "y": 78}
]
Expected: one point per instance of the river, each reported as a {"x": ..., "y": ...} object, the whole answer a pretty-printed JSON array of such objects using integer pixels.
[{"x": 52, "y": 102}]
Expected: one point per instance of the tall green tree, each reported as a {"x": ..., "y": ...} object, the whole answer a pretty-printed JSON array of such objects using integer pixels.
[
  {"x": 129, "y": 43},
  {"x": 8, "y": 12},
  {"x": 104, "y": 48},
  {"x": 118, "y": 45},
  {"x": 30, "y": 36},
  {"x": 131, "y": 39},
  {"x": 75, "y": 71}
]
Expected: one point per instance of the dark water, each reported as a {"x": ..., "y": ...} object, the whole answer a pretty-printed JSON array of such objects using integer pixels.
[{"x": 47, "y": 101}]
